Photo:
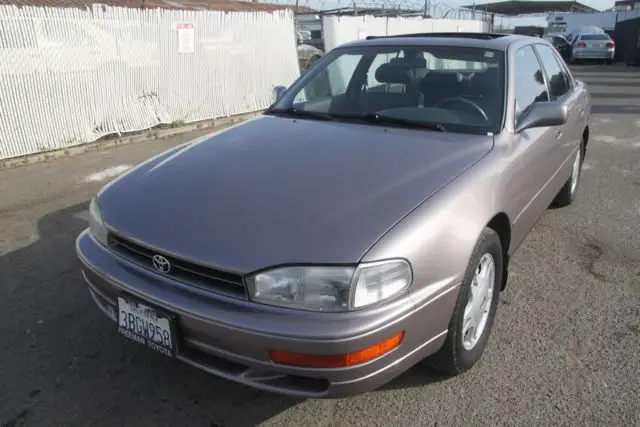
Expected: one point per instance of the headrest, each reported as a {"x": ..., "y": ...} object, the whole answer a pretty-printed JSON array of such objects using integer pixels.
[
  {"x": 440, "y": 78},
  {"x": 488, "y": 76},
  {"x": 399, "y": 70},
  {"x": 491, "y": 72},
  {"x": 410, "y": 62}
]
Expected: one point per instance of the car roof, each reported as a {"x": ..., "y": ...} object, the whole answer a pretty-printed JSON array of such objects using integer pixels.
[{"x": 496, "y": 41}]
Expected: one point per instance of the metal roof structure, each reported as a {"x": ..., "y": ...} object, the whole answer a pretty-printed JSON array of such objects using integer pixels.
[
  {"x": 223, "y": 5},
  {"x": 372, "y": 11},
  {"x": 530, "y": 7}
]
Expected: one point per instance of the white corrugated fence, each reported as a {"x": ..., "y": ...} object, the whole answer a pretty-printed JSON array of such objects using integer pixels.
[{"x": 70, "y": 76}]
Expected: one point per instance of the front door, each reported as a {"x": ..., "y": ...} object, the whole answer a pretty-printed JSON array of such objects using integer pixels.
[{"x": 536, "y": 151}]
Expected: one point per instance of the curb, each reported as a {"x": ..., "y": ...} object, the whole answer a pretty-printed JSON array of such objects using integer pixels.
[{"x": 108, "y": 142}]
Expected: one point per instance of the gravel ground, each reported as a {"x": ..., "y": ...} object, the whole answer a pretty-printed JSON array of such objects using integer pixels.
[{"x": 564, "y": 349}]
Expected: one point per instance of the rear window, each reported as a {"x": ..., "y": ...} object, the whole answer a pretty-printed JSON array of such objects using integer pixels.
[{"x": 595, "y": 37}]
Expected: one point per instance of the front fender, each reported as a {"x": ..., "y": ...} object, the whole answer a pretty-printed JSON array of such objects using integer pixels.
[{"x": 439, "y": 236}]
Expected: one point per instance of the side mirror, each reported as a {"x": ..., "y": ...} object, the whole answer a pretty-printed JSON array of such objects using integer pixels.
[
  {"x": 542, "y": 114},
  {"x": 277, "y": 92}
]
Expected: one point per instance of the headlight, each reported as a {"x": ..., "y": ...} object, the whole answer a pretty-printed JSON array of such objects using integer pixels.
[
  {"x": 320, "y": 288},
  {"x": 96, "y": 224},
  {"x": 376, "y": 282},
  {"x": 312, "y": 288}
]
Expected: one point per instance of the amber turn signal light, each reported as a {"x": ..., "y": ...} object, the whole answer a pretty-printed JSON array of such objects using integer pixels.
[{"x": 337, "y": 360}]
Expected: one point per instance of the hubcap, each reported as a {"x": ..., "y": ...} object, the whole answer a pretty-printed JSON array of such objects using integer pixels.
[
  {"x": 575, "y": 174},
  {"x": 478, "y": 306}
]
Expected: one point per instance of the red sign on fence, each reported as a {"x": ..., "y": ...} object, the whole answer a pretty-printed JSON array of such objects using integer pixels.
[{"x": 186, "y": 37}]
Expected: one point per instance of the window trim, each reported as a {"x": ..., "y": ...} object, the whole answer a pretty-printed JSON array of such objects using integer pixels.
[
  {"x": 570, "y": 82},
  {"x": 566, "y": 69},
  {"x": 515, "y": 79}
]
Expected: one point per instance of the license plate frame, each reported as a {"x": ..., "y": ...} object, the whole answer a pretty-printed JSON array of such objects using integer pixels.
[{"x": 135, "y": 330}]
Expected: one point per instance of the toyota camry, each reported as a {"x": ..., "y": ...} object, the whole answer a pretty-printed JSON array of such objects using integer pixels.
[{"x": 360, "y": 225}]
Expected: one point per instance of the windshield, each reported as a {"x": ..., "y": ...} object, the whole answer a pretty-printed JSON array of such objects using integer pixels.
[{"x": 445, "y": 88}]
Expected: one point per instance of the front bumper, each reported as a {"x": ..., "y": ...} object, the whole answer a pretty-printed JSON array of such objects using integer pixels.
[{"x": 231, "y": 338}]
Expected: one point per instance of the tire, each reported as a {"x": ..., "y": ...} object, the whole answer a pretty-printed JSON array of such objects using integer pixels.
[
  {"x": 567, "y": 194},
  {"x": 609, "y": 62},
  {"x": 456, "y": 356}
]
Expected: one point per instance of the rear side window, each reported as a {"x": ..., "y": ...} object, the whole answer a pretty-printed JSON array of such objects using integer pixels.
[
  {"x": 559, "y": 81},
  {"x": 529, "y": 81}
]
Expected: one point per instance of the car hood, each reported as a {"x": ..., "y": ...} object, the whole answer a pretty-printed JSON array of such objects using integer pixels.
[{"x": 276, "y": 190}]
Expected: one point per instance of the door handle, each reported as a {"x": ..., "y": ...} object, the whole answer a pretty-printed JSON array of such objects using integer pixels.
[{"x": 558, "y": 134}]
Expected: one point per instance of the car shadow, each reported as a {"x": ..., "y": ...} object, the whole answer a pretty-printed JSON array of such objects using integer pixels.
[
  {"x": 419, "y": 375},
  {"x": 63, "y": 360},
  {"x": 600, "y": 84},
  {"x": 599, "y": 68},
  {"x": 613, "y": 95},
  {"x": 615, "y": 109}
]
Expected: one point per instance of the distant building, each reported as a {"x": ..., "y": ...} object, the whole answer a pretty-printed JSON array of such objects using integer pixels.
[{"x": 626, "y": 5}]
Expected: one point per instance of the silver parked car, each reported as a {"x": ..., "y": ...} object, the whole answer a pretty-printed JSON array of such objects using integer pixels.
[
  {"x": 362, "y": 224},
  {"x": 307, "y": 56},
  {"x": 592, "y": 46}
]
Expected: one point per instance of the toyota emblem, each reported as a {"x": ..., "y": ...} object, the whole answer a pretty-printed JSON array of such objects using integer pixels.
[{"x": 161, "y": 264}]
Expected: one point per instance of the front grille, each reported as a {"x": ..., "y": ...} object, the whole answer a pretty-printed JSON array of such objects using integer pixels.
[{"x": 186, "y": 272}]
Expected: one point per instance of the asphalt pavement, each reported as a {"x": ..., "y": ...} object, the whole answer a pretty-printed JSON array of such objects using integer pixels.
[{"x": 564, "y": 349}]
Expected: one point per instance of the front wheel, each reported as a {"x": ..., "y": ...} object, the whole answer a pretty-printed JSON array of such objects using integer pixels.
[{"x": 475, "y": 309}]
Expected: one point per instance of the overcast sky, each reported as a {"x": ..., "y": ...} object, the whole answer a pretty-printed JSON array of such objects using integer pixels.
[{"x": 329, "y": 4}]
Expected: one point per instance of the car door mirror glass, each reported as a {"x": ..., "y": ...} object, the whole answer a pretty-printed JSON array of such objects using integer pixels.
[{"x": 542, "y": 114}]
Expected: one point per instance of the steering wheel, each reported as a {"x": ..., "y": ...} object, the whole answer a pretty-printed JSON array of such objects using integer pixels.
[{"x": 465, "y": 101}]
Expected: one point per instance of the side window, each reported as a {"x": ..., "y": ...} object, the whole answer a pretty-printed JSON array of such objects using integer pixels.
[
  {"x": 529, "y": 82},
  {"x": 340, "y": 72},
  {"x": 331, "y": 81},
  {"x": 559, "y": 81}
]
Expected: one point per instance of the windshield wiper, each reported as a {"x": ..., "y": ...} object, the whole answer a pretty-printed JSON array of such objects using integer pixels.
[
  {"x": 392, "y": 120},
  {"x": 367, "y": 117},
  {"x": 301, "y": 113}
]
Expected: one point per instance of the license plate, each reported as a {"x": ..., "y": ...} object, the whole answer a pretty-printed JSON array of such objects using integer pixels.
[{"x": 146, "y": 325}]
